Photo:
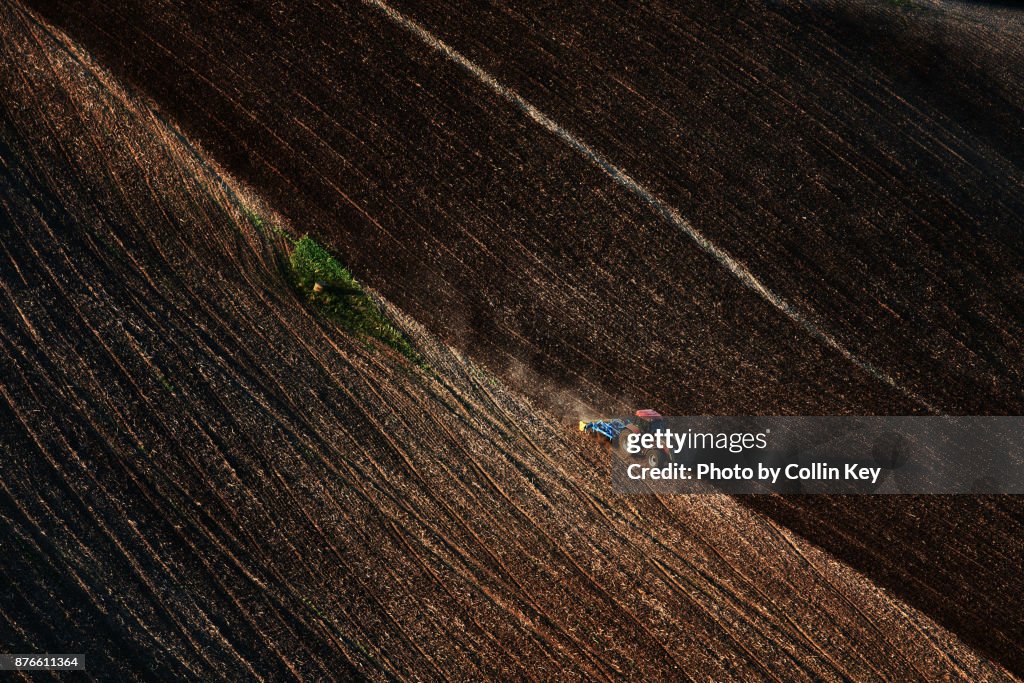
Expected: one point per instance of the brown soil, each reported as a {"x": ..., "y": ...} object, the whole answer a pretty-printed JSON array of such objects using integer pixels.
[{"x": 201, "y": 477}]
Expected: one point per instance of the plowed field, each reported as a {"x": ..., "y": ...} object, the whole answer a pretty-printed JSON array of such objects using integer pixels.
[{"x": 202, "y": 477}]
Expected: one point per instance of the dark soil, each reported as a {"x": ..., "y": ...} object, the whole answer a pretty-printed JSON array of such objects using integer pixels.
[{"x": 201, "y": 476}]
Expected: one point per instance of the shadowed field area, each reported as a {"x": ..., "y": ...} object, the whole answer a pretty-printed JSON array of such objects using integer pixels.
[
  {"x": 861, "y": 162},
  {"x": 199, "y": 469}
]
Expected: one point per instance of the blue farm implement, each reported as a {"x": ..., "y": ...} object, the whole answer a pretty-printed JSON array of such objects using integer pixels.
[
  {"x": 616, "y": 432},
  {"x": 610, "y": 429}
]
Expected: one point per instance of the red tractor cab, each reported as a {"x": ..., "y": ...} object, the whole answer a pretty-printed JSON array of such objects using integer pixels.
[{"x": 647, "y": 421}]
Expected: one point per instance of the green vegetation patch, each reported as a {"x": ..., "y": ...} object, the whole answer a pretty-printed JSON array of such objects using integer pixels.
[{"x": 332, "y": 290}]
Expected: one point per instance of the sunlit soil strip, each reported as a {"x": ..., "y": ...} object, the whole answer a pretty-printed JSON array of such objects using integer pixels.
[{"x": 668, "y": 212}]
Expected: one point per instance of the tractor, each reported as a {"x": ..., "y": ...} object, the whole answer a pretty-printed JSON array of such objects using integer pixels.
[{"x": 616, "y": 432}]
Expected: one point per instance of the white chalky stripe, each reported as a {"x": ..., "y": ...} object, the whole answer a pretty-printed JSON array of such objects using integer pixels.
[{"x": 665, "y": 210}]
